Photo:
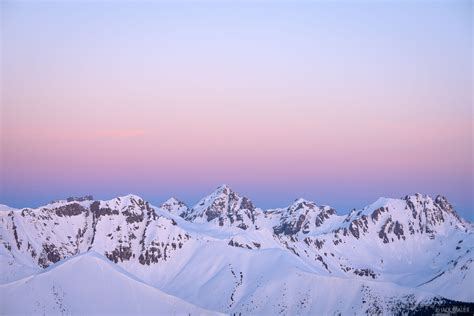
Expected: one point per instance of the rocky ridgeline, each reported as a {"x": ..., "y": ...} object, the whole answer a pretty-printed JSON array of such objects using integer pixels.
[
  {"x": 129, "y": 229},
  {"x": 224, "y": 207},
  {"x": 122, "y": 229}
]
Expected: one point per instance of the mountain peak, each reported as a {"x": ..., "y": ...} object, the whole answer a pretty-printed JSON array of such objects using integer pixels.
[
  {"x": 120, "y": 203},
  {"x": 225, "y": 207},
  {"x": 129, "y": 199},
  {"x": 443, "y": 202},
  {"x": 172, "y": 201},
  {"x": 175, "y": 206},
  {"x": 302, "y": 204},
  {"x": 303, "y": 216},
  {"x": 302, "y": 200},
  {"x": 221, "y": 192},
  {"x": 223, "y": 189},
  {"x": 131, "y": 196},
  {"x": 74, "y": 199},
  {"x": 396, "y": 219}
]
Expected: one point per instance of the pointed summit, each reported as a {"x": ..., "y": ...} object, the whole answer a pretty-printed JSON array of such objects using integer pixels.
[
  {"x": 132, "y": 197},
  {"x": 301, "y": 203},
  {"x": 126, "y": 201},
  {"x": 222, "y": 189},
  {"x": 224, "y": 207},
  {"x": 303, "y": 216},
  {"x": 302, "y": 200},
  {"x": 171, "y": 201},
  {"x": 175, "y": 206}
]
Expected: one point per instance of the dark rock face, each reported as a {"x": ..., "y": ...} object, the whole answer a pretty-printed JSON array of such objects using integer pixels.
[
  {"x": 354, "y": 230},
  {"x": 302, "y": 216},
  {"x": 254, "y": 245},
  {"x": 50, "y": 254},
  {"x": 31, "y": 250},
  {"x": 319, "y": 244},
  {"x": 151, "y": 255},
  {"x": 15, "y": 232},
  {"x": 398, "y": 230},
  {"x": 80, "y": 199},
  {"x": 390, "y": 227},
  {"x": 443, "y": 203},
  {"x": 122, "y": 253},
  {"x": 242, "y": 226},
  {"x": 376, "y": 214},
  {"x": 310, "y": 241},
  {"x": 359, "y": 226},
  {"x": 246, "y": 204},
  {"x": 98, "y": 211},
  {"x": 75, "y": 199},
  {"x": 382, "y": 233},
  {"x": 132, "y": 217},
  {"x": 365, "y": 272},
  {"x": 289, "y": 228},
  {"x": 319, "y": 258},
  {"x": 212, "y": 214},
  {"x": 69, "y": 210},
  {"x": 323, "y": 215},
  {"x": 157, "y": 250},
  {"x": 411, "y": 206},
  {"x": 237, "y": 244},
  {"x": 226, "y": 208}
]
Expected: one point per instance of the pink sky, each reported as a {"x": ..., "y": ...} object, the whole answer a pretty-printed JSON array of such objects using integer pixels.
[{"x": 277, "y": 100}]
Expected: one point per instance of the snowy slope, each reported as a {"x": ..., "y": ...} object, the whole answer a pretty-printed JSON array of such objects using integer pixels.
[
  {"x": 227, "y": 255},
  {"x": 271, "y": 282},
  {"x": 89, "y": 284},
  {"x": 456, "y": 280}
]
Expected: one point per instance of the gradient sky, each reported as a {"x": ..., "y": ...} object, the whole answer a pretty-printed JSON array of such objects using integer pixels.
[{"x": 338, "y": 102}]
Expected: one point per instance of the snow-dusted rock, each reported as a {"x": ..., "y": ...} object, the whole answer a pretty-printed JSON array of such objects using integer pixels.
[{"x": 226, "y": 255}]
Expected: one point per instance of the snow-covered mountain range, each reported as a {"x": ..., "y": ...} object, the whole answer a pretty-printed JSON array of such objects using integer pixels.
[{"x": 225, "y": 255}]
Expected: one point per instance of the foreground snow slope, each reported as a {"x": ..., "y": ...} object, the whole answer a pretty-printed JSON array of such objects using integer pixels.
[
  {"x": 272, "y": 282},
  {"x": 89, "y": 284}
]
